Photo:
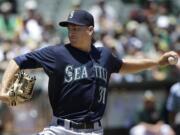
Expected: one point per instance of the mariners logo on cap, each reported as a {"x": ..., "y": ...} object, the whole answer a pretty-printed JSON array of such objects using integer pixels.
[{"x": 71, "y": 14}]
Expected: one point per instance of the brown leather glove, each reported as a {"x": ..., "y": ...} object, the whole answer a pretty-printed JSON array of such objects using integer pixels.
[{"x": 21, "y": 90}]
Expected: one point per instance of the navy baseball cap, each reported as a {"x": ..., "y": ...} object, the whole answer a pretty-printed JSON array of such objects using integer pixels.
[{"x": 78, "y": 17}]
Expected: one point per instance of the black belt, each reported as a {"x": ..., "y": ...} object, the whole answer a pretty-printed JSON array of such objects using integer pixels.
[{"x": 88, "y": 125}]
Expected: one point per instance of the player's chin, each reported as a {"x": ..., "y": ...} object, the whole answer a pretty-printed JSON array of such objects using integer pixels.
[{"x": 73, "y": 41}]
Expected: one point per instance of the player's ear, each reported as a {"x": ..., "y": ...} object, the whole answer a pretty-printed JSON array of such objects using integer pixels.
[{"x": 91, "y": 30}]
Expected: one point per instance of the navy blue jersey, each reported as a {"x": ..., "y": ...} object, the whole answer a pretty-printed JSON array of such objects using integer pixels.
[{"x": 78, "y": 80}]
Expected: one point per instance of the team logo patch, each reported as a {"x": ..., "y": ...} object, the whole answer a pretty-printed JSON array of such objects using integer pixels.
[{"x": 71, "y": 14}]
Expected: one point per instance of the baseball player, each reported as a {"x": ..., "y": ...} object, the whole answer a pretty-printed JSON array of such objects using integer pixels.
[
  {"x": 78, "y": 77},
  {"x": 173, "y": 101},
  {"x": 173, "y": 106}
]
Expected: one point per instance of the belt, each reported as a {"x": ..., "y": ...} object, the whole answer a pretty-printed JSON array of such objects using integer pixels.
[{"x": 70, "y": 124}]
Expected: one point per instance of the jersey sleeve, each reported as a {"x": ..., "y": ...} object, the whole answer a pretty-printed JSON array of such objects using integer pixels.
[
  {"x": 171, "y": 102},
  {"x": 115, "y": 63},
  {"x": 42, "y": 58}
]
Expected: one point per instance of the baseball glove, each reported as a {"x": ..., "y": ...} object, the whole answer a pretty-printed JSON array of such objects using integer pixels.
[{"x": 21, "y": 89}]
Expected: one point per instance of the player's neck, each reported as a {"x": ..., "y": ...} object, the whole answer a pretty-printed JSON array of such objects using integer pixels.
[{"x": 86, "y": 47}]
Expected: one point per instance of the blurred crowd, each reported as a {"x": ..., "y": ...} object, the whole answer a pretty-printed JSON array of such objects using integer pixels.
[
  {"x": 25, "y": 33},
  {"x": 150, "y": 30}
]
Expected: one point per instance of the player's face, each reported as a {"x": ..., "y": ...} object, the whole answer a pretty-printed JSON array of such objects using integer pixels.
[
  {"x": 78, "y": 33},
  {"x": 149, "y": 105}
]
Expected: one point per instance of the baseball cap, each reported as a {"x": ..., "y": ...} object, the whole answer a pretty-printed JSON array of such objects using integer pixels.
[
  {"x": 31, "y": 5},
  {"x": 78, "y": 17},
  {"x": 149, "y": 96}
]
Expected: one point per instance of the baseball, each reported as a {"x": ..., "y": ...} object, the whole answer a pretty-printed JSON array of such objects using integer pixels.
[{"x": 172, "y": 60}]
